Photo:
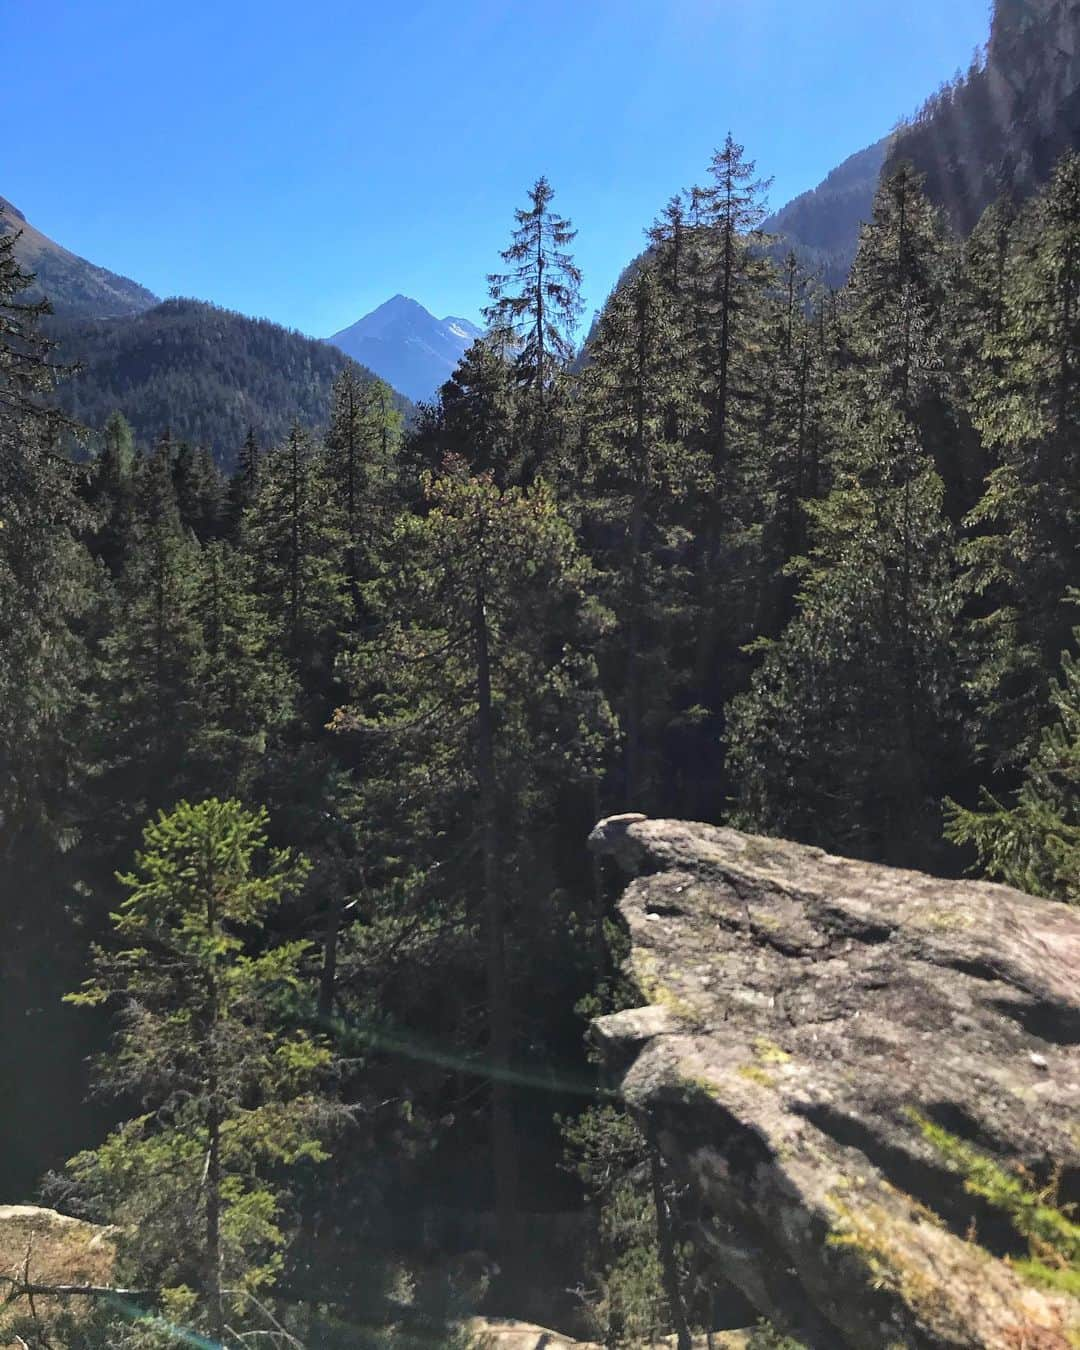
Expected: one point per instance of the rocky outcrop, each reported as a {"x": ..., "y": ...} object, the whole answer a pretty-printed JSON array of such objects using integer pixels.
[
  {"x": 42, "y": 1249},
  {"x": 495, "y": 1333},
  {"x": 1008, "y": 122},
  {"x": 805, "y": 1015}
]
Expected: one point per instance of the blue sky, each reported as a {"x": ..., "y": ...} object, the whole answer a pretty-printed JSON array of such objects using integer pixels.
[{"x": 305, "y": 161}]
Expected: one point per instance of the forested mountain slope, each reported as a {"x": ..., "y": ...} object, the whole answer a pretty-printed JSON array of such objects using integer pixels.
[
  {"x": 1004, "y": 125},
  {"x": 822, "y": 225},
  {"x": 75, "y": 287},
  {"x": 207, "y": 374}
]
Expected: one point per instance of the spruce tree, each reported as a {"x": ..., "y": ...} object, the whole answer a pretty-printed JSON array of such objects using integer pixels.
[
  {"x": 111, "y": 491},
  {"x": 362, "y": 445},
  {"x": 244, "y": 483},
  {"x": 246, "y": 695},
  {"x": 534, "y": 311},
  {"x": 845, "y": 734},
  {"x": 1022, "y": 559},
  {"x": 147, "y": 699},
  {"x": 227, "y": 1083},
  {"x": 1034, "y": 844},
  {"x": 44, "y": 579},
  {"x": 729, "y": 276},
  {"x": 295, "y": 537},
  {"x": 478, "y": 698},
  {"x": 478, "y": 416},
  {"x": 47, "y": 588},
  {"x": 638, "y": 482}
]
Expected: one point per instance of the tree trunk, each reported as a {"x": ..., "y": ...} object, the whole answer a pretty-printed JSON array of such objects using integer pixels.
[
  {"x": 666, "y": 1244},
  {"x": 213, "y": 1220},
  {"x": 504, "y": 1144}
]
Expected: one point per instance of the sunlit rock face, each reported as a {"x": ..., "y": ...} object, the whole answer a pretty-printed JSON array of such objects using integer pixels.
[
  {"x": 1006, "y": 125},
  {"x": 806, "y": 1015}
]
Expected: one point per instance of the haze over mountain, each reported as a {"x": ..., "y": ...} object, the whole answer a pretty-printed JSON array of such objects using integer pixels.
[
  {"x": 75, "y": 287},
  {"x": 407, "y": 346}
]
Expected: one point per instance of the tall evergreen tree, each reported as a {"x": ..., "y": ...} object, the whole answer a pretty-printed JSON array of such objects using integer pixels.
[
  {"x": 481, "y": 692},
  {"x": 1034, "y": 844},
  {"x": 147, "y": 699},
  {"x": 1022, "y": 559},
  {"x": 205, "y": 1044},
  {"x": 43, "y": 575},
  {"x": 639, "y": 479},
  {"x": 246, "y": 695},
  {"x": 843, "y": 736},
  {"x": 295, "y": 536},
  {"x": 535, "y": 307},
  {"x": 244, "y": 484},
  {"x": 362, "y": 446},
  {"x": 111, "y": 491}
]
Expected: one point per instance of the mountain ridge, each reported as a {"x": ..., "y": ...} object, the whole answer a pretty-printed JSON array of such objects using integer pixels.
[
  {"x": 205, "y": 373},
  {"x": 74, "y": 286}
]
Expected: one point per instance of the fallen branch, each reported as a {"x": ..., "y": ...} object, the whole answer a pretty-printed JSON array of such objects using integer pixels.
[{"x": 23, "y": 1288}]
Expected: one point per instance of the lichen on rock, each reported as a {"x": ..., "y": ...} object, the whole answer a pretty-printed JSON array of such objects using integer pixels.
[{"x": 811, "y": 1012}]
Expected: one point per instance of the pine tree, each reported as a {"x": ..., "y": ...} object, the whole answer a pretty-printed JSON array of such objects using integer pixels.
[
  {"x": 1022, "y": 559},
  {"x": 295, "y": 536},
  {"x": 479, "y": 695},
  {"x": 227, "y": 1085},
  {"x": 534, "y": 310},
  {"x": 639, "y": 481},
  {"x": 844, "y": 735},
  {"x": 44, "y": 579}
]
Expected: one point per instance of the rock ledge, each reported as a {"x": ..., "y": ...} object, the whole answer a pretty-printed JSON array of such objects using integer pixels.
[{"x": 802, "y": 1009}]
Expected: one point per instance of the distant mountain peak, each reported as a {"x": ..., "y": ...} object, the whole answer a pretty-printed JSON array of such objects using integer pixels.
[{"x": 406, "y": 345}]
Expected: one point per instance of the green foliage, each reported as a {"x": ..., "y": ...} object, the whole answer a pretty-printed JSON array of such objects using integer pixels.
[
  {"x": 1035, "y": 843},
  {"x": 838, "y": 740},
  {"x": 739, "y": 550},
  {"x": 1052, "y": 1234},
  {"x": 1021, "y": 558},
  {"x": 295, "y": 536},
  {"x": 538, "y": 300},
  {"x": 44, "y": 575},
  {"x": 607, "y": 1151},
  {"x": 207, "y": 373},
  {"x": 205, "y": 1044}
]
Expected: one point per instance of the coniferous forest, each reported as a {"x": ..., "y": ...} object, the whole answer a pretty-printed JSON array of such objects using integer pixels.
[{"x": 300, "y": 936}]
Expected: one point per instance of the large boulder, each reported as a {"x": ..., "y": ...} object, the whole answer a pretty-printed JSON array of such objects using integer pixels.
[{"x": 807, "y": 1016}]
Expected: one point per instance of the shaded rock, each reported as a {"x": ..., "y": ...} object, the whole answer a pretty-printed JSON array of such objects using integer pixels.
[{"x": 801, "y": 1007}]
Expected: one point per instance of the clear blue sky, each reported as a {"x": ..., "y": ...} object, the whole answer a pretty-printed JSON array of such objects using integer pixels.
[{"x": 305, "y": 161}]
